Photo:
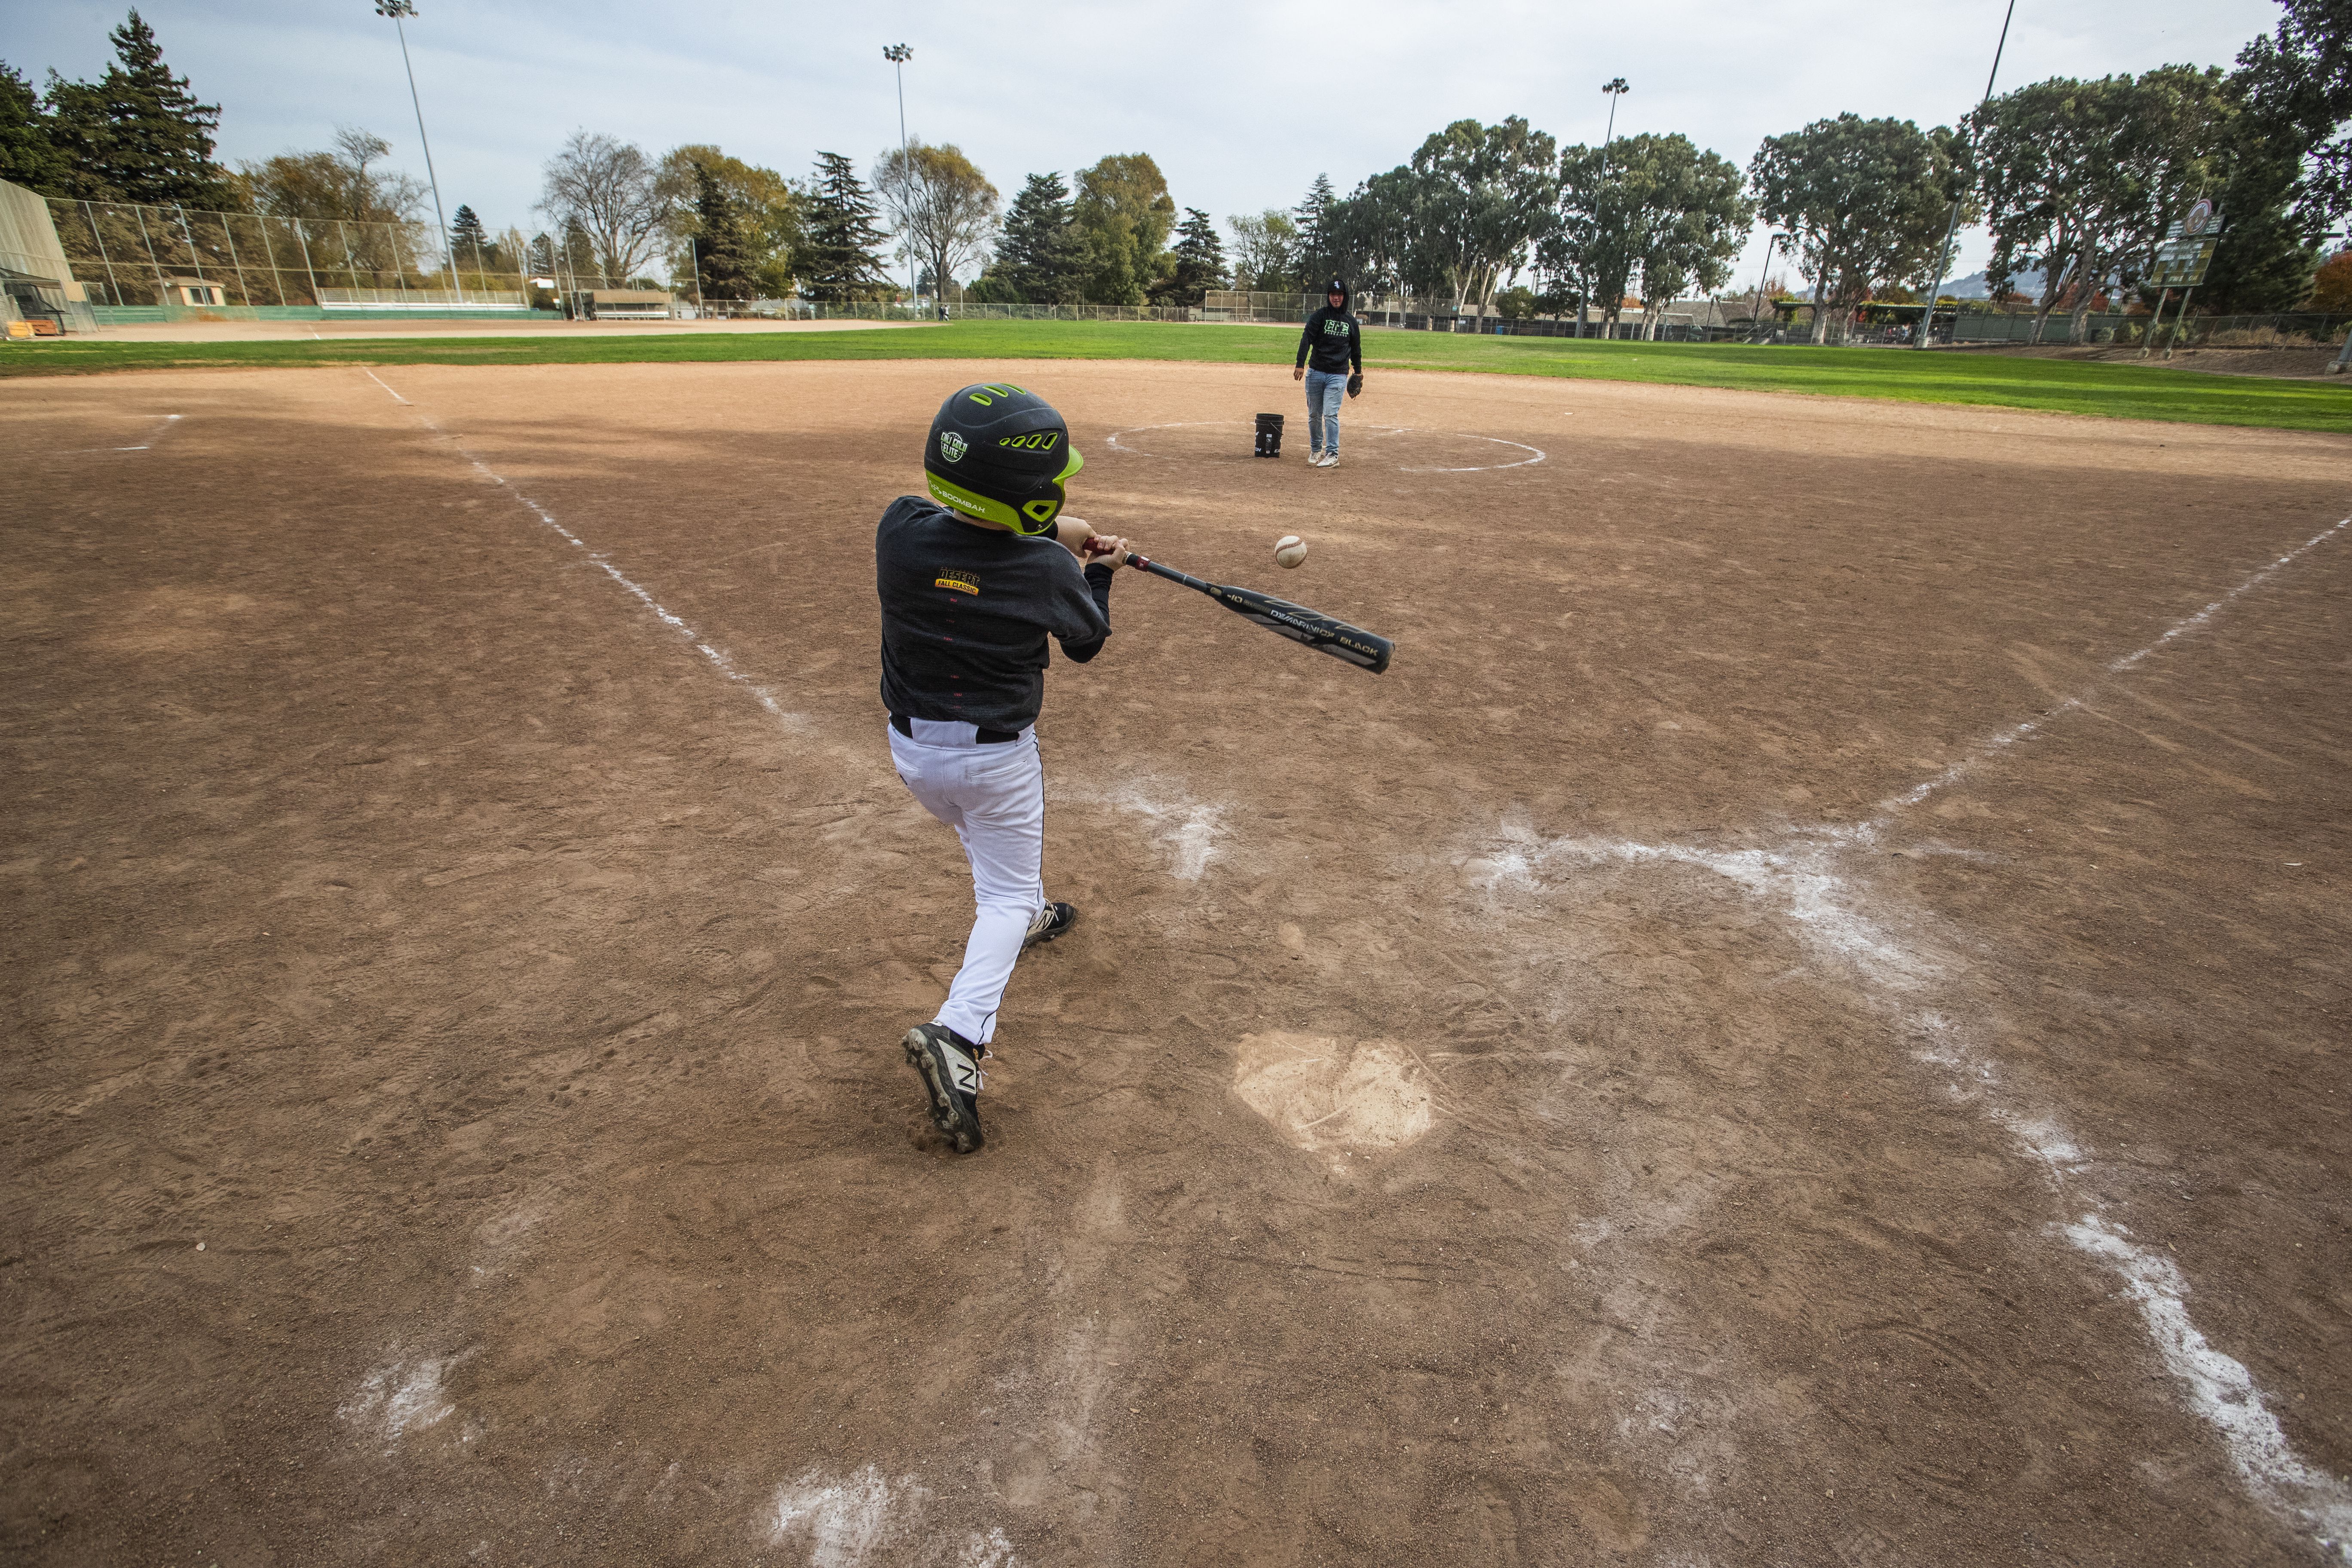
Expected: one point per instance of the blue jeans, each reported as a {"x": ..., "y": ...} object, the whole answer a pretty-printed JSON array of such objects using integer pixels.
[{"x": 1325, "y": 392}]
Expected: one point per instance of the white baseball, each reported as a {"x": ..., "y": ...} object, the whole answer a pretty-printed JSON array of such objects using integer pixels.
[{"x": 1290, "y": 550}]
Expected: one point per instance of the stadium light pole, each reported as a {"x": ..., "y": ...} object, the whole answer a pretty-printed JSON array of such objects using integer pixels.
[
  {"x": 898, "y": 54},
  {"x": 1617, "y": 90},
  {"x": 1772, "y": 247},
  {"x": 396, "y": 9},
  {"x": 1944, "y": 256}
]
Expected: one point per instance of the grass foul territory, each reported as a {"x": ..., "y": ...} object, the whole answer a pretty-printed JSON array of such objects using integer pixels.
[{"x": 2115, "y": 391}]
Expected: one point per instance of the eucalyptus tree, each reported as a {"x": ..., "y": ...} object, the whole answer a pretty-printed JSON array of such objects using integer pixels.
[
  {"x": 1655, "y": 206},
  {"x": 1695, "y": 216},
  {"x": 1865, "y": 200},
  {"x": 2080, "y": 179},
  {"x": 1483, "y": 200},
  {"x": 1368, "y": 232},
  {"x": 2298, "y": 85},
  {"x": 1588, "y": 249}
]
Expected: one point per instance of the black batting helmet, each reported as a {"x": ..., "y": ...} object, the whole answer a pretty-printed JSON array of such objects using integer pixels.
[{"x": 1000, "y": 453}]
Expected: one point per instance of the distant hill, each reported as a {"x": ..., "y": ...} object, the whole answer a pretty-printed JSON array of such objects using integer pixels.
[{"x": 1972, "y": 287}]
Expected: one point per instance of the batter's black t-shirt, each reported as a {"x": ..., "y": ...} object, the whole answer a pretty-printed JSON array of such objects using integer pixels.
[{"x": 966, "y": 612}]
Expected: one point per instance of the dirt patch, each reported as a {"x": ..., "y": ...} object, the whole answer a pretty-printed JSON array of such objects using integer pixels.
[{"x": 1818, "y": 961}]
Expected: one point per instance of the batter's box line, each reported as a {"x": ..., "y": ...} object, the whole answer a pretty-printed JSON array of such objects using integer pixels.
[
  {"x": 163, "y": 423},
  {"x": 1800, "y": 873},
  {"x": 1840, "y": 920},
  {"x": 603, "y": 563}
]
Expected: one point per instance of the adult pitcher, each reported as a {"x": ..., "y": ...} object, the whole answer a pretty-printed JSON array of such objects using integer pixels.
[{"x": 1331, "y": 360}]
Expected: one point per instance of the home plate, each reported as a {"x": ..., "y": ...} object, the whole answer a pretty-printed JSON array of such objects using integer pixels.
[{"x": 1329, "y": 1096}]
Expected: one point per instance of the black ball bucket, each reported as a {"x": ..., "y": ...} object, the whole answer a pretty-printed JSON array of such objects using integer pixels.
[{"x": 1269, "y": 435}]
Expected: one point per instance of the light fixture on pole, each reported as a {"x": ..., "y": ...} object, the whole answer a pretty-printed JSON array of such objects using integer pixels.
[
  {"x": 1616, "y": 88},
  {"x": 1944, "y": 256},
  {"x": 898, "y": 54},
  {"x": 396, "y": 9}
]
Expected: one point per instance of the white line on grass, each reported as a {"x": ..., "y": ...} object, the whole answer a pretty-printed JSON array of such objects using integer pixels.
[
  {"x": 1831, "y": 914},
  {"x": 718, "y": 661}
]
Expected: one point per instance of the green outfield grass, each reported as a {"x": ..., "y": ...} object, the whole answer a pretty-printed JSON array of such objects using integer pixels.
[{"x": 2072, "y": 386}]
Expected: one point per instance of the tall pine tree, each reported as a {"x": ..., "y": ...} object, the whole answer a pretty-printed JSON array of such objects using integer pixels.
[
  {"x": 839, "y": 263},
  {"x": 469, "y": 243},
  {"x": 1040, "y": 255},
  {"x": 27, "y": 155},
  {"x": 138, "y": 134},
  {"x": 1319, "y": 259},
  {"x": 1200, "y": 262},
  {"x": 723, "y": 258}
]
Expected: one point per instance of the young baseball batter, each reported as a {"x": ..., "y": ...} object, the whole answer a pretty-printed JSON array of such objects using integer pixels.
[{"x": 972, "y": 582}]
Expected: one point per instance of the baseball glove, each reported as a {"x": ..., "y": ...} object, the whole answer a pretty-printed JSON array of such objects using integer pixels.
[{"x": 1355, "y": 383}]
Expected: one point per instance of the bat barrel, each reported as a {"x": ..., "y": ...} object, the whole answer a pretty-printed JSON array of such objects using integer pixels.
[{"x": 1323, "y": 634}]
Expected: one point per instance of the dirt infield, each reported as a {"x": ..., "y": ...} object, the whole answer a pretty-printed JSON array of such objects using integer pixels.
[{"x": 1803, "y": 1020}]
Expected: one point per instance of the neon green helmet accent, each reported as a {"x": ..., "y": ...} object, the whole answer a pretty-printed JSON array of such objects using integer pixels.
[{"x": 1000, "y": 453}]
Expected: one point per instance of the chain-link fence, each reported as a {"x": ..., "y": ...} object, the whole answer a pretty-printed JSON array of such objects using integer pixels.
[
  {"x": 798, "y": 310},
  {"x": 2300, "y": 330},
  {"x": 125, "y": 254}
]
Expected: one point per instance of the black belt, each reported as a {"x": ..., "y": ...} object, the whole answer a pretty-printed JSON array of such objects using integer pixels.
[{"x": 985, "y": 737}]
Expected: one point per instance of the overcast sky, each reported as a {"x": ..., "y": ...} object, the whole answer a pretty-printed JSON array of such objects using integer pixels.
[{"x": 1241, "y": 105}]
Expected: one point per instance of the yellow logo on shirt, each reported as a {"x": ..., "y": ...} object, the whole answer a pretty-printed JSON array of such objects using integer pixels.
[{"x": 961, "y": 582}]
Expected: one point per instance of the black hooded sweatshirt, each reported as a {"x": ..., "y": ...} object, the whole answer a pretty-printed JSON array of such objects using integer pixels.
[{"x": 1334, "y": 338}]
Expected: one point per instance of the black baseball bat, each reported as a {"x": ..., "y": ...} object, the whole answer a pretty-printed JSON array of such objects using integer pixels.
[{"x": 1364, "y": 649}]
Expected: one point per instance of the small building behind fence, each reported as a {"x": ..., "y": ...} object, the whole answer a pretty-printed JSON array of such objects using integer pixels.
[{"x": 621, "y": 304}]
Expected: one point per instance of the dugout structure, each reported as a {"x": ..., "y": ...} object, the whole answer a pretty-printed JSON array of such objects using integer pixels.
[{"x": 36, "y": 284}]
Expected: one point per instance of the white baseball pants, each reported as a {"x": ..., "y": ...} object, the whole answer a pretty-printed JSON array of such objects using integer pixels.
[{"x": 995, "y": 797}]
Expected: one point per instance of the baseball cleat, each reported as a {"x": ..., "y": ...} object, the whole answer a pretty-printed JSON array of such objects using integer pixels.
[
  {"x": 1051, "y": 922},
  {"x": 1331, "y": 461},
  {"x": 949, "y": 1066}
]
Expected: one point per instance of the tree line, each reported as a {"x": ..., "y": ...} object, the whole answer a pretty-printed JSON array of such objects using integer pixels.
[{"x": 2074, "y": 181}]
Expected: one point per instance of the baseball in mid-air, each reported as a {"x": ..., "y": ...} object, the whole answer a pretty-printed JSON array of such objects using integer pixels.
[{"x": 1289, "y": 551}]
